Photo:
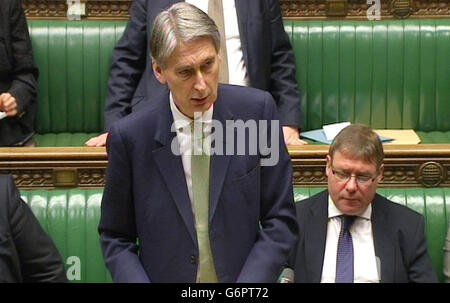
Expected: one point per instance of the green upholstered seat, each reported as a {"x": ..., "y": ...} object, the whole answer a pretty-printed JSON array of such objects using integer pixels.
[
  {"x": 74, "y": 59},
  {"x": 391, "y": 74},
  {"x": 71, "y": 219},
  {"x": 433, "y": 203},
  {"x": 63, "y": 139}
]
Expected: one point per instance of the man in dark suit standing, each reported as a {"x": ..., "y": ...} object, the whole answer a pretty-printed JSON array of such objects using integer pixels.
[
  {"x": 27, "y": 254},
  {"x": 203, "y": 205},
  {"x": 351, "y": 234},
  {"x": 18, "y": 77},
  {"x": 258, "y": 50}
]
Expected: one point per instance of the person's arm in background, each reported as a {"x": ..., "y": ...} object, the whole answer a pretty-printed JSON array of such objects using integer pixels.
[
  {"x": 283, "y": 84},
  {"x": 23, "y": 89},
  {"x": 127, "y": 67},
  {"x": 447, "y": 257},
  {"x": 39, "y": 258}
]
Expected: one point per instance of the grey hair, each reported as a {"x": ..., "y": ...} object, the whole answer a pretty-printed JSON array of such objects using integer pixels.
[{"x": 182, "y": 22}]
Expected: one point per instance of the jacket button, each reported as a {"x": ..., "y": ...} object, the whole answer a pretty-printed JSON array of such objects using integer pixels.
[{"x": 193, "y": 259}]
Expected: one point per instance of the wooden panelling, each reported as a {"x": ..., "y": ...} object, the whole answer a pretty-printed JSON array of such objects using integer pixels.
[
  {"x": 42, "y": 167},
  {"x": 297, "y": 9}
]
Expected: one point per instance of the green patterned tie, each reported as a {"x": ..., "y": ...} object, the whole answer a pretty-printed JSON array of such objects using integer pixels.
[{"x": 200, "y": 163}]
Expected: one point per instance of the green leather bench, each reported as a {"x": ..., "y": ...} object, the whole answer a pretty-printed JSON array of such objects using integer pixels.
[
  {"x": 386, "y": 74},
  {"x": 74, "y": 58},
  {"x": 71, "y": 218}
]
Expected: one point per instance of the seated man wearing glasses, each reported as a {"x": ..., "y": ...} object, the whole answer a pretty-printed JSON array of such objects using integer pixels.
[{"x": 349, "y": 233}]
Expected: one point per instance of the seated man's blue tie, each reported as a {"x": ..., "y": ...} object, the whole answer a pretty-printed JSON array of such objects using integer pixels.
[{"x": 345, "y": 258}]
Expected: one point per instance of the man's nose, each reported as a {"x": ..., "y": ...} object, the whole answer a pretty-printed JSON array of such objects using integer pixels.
[
  {"x": 351, "y": 185},
  {"x": 200, "y": 83}
]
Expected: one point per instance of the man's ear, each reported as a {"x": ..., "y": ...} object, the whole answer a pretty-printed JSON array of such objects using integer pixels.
[
  {"x": 381, "y": 171},
  {"x": 159, "y": 75},
  {"x": 328, "y": 165}
]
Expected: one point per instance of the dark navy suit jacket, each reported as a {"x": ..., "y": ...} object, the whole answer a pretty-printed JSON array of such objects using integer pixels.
[
  {"x": 27, "y": 253},
  {"x": 399, "y": 240},
  {"x": 252, "y": 211},
  {"x": 18, "y": 74},
  {"x": 267, "y": 52}
]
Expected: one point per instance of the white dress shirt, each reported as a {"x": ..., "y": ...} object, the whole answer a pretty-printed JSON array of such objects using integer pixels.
[
  {"x": 183, "y": 128},
  {"x": 366, "y": 267},
  {"x": 237, "y": 71}
]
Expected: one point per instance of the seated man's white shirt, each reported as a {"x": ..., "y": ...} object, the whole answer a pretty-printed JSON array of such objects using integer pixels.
[{"x": 365, "y": 264}]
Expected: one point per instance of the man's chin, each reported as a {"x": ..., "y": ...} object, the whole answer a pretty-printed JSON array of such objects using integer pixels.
[{"x": 351, "y": 207}]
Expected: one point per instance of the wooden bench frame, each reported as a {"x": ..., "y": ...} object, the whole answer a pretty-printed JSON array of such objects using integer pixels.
[
  {"x": 293, "y": 9},
  {"x": 425, "y": 165}
]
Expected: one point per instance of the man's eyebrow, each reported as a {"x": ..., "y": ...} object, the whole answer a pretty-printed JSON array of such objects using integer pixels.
[
  {"x": 183, "y": 67},
  {"x": 188, "y": 66}
]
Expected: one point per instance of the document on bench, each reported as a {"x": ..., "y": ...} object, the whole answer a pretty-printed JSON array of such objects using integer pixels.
[
  {"x": 329, "y": 131},
  {"x": 399, "y": 136}
]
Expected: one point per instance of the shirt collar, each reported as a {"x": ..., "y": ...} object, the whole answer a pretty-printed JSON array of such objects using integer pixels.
[
  {"x": 333, "y": 211},
  {"x": 181, "y": 120}
]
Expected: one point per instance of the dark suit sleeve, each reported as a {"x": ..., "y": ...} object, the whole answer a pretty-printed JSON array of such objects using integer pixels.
[
  {"x": 279, "y": 229},
  {"x": 39, "y": 259},
  {"x": 24, "y": 72},
  {"x": 128, "y": 65},
  {"x": 117, "y": 227},
  {"x": 283, "y": 84},
  {"x": 420, "y": 269}
]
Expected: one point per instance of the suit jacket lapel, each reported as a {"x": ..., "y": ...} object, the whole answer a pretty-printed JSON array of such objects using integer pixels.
[
  {"x": 382, "y": 236},
  {"x": 315, "y": 237},
  {"x": 219, "y": 162},
  {"x": 171, "y": 167}
]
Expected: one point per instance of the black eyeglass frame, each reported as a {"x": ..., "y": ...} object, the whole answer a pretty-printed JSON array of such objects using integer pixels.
[{"x": 347, "y": 177}]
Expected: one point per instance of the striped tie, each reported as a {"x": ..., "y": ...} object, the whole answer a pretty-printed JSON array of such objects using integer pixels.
[{"x": 215, "y": 12}]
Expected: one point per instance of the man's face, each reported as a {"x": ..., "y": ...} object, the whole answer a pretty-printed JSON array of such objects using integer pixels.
[
  {"x": 352, "y": 197},
  {"x": 192, "y": 74}
]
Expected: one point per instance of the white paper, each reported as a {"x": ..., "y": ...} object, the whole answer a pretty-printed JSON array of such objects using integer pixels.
[
  {"x": 2, "y": 115},
  {"x": 331, "y": 130}
]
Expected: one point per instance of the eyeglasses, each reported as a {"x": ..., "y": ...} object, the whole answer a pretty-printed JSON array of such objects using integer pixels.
[{"x": 360, "y": 179}]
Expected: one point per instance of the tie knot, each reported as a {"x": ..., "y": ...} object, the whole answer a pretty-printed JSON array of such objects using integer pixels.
[{"x": 347, "y": 221}]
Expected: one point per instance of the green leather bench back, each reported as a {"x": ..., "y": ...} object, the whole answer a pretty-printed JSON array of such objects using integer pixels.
[
  {"x": 74, "y": 59},
  {"x": 386, "y": 74},
  {"x": 71, "y": 219},
  {"x": 433, "y": 203}
]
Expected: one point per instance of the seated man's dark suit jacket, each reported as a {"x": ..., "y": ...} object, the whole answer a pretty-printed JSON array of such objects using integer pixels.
[
  {"x": 27, "y": 254},
  {"x": 267, "y": 53},
  {"x": 252, "y": 212},
  {"x": 399, "y": 240},
  {"x": 18, "y": 74}
]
